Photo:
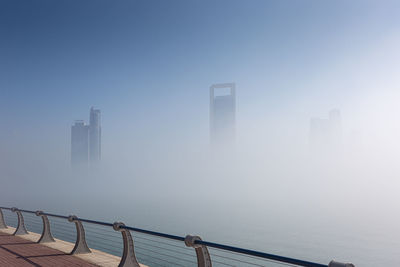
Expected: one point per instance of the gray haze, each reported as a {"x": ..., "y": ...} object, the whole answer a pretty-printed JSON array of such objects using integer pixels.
[{"x": 271, "y": 190}]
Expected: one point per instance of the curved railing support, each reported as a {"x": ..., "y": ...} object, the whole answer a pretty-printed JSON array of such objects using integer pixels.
[
  {"x": 3, "y": 224},
  {"x": 21, "y": 229},
  {"x": 203, "y": 256},
  {"x": 340, "y": 264},
  {"x": 128, "y": 257},
  {"x": 80, "y": 244},
  {"x": 46, "y": 236}
]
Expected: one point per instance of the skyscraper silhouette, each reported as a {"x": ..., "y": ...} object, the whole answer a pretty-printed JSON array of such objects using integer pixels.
[
  {"x": 86, "y": 140},
  {"x": 222, "y": 115},
  {"x": 95, "y": 135},
  {"x": 326, "y": 133},
  {"x": 79, "y": 143}
]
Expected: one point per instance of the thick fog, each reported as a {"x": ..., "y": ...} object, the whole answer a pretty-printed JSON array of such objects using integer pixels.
[
  {"x": 159, "y": 170},
  {"x": 312, "y": 170}
]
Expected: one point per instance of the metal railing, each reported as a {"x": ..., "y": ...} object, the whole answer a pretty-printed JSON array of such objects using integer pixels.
[{"x": 157, "y": 249}]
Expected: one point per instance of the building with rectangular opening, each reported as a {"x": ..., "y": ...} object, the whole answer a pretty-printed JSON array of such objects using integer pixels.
[{"x": 222, "y": 114}]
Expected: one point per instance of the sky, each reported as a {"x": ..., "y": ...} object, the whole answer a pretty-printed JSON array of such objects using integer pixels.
[
  {"x": 148, "y": 66},
  {"x": 153, "y": 55}
]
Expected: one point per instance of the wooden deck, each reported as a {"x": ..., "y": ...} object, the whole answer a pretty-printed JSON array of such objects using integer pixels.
[
  {"x": 24, "y": 250},
  {"x": 17, "y": 251}
]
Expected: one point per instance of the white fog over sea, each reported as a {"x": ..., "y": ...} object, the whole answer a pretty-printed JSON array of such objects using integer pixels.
[{"x": 277, "y": 195}]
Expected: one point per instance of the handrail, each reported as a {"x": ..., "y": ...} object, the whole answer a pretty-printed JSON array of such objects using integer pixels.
[
  {"x": 260, "y": 254},
  {"x": 55, "y": 215},
  {"x": 95, "y": 222},
  {"x": 193, "y": 241},
  {"x": 173, "y": 237},
  {"x": 27, "y": 211}
]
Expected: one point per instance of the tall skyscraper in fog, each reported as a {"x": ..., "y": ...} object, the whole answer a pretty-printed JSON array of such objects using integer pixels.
[
  {"x": 326, "y": 133},
  {"x": 86, "y": 140},
  {"x": 79, "y": 143},
  {"x": 222, "y": 114},
  {"x": 94, "y": 135}
]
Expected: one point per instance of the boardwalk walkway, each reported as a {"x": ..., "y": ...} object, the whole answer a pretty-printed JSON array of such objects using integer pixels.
[{"x": 16, "y": 251}]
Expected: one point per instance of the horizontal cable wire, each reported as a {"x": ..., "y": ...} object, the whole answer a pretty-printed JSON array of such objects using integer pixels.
[
  {"x": 248, "y": 256},
  {"x": 120, "y": 244},
  {"x": 161, "y": 242},
  {"x": 223, "y": 263},
  {"x": 140, "y": 243},
  {"x": 101, "y": 247},
  {"x": 65, "y": 228},
  {"x": 139, "y": 247},
  {"x": 100, "y": 235},
  {"x": 55, "y": 230},
  {"x": 167, "y": 255},
  {"x": 64, "y": 236},
  {"x": 33, "y": 222},
  {"x": 97, "y": 239},
  {"x": 65, "y": 223},
  {"x": 173, "y": 263},
  {"x": 110, "y": 234},
  {"x": 89, "y": 236},
  {"x": 145, "y": 260},
  {"x": 171, "y": 250},
  {"x": 232, "y": 259}
]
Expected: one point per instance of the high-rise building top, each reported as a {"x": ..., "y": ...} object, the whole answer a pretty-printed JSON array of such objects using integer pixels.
[
  {"x": 222, "y": 114},
  {"x": 86, "y": 140},
  {"x": 95, "y": 135},
  {"x": 79, "y": 143}
]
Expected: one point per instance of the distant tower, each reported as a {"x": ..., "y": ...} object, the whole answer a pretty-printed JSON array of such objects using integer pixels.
[
  {"x": 79, "y": 143},
  {"x": 222, "y": 114},
  {"x": 95, "y": 135},
  {"x": 326, "y": 133},
  {"x": 335, "y": 121}
]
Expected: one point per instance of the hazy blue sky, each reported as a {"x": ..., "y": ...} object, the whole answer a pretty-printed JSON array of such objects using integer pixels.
[
  {"x": 148, "y": 66},
  {"x": 59, "y": 57}
]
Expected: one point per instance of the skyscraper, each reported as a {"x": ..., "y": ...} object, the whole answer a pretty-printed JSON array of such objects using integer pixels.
[
  {"x": 222, "y": 114},
  {"x": 326, "y": 133},
  {"x": 94, "y": 135},
  {"x": 79, "y": 143},
  {"x": 86, "y": 140}
]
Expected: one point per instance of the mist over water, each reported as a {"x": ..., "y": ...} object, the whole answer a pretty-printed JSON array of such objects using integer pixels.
[
  {"x": 272, "y": 189},
  {"x": 271, "y": 192}
]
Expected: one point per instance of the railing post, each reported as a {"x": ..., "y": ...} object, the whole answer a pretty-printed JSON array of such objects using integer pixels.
[
  {"x": 203, "y": 256},
  {"x": 128, "y": 257},
  {"x": 46, "y": 233},
  {"x": 21, "y": 230},
  {"x": 80, "y": 244},
  {"x": 3, "y": 224},
  {"x": 340, "y": 264}
]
